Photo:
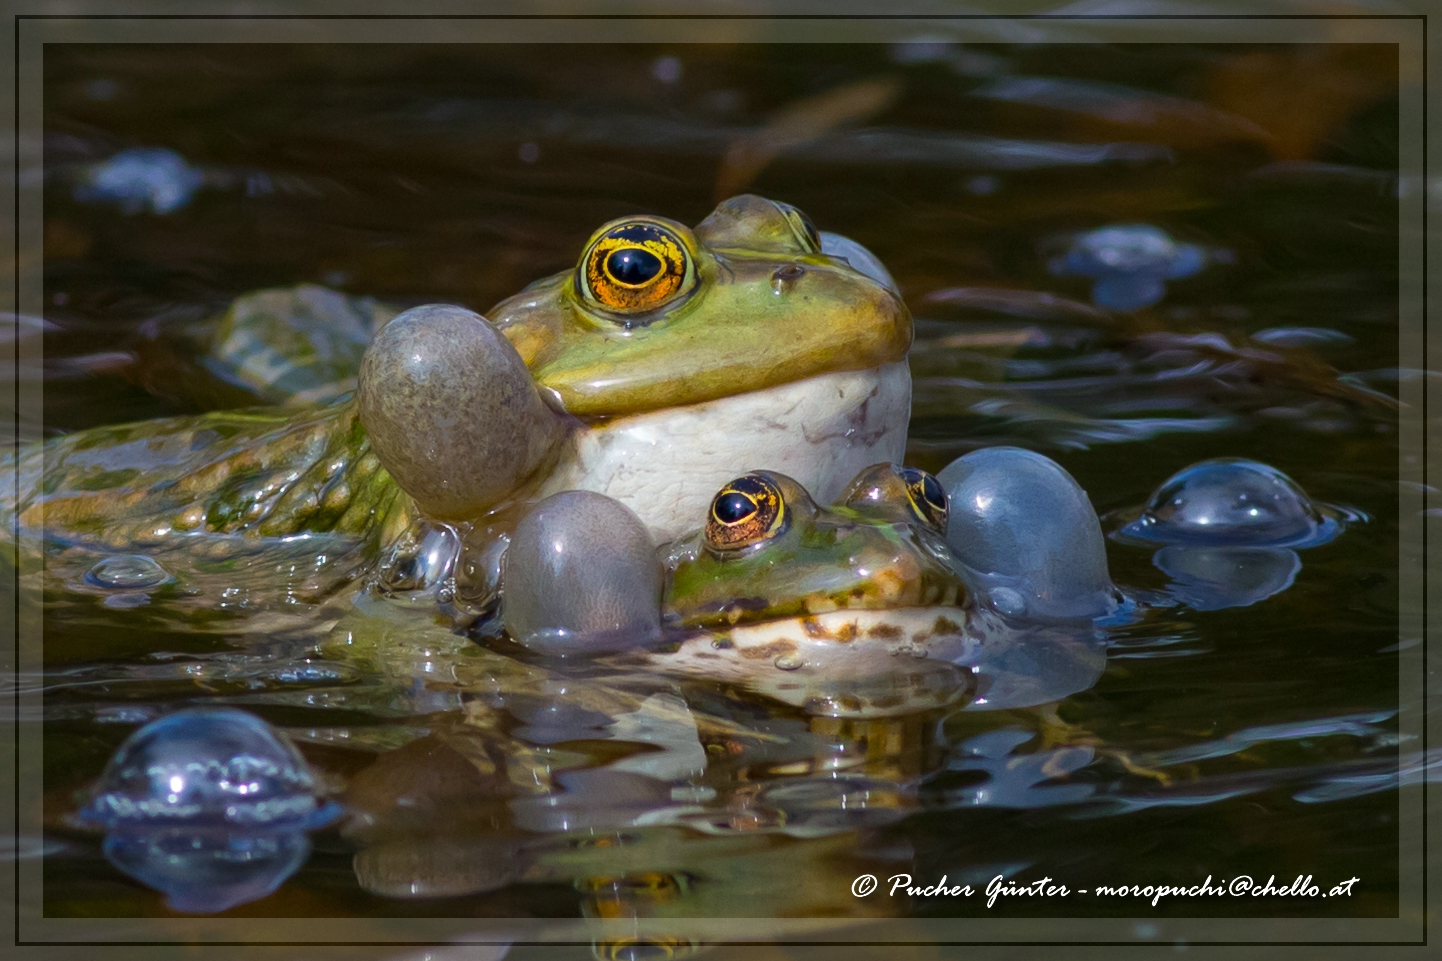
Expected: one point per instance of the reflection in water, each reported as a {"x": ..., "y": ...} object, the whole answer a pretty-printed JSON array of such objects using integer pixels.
[
  {"x": 444, "y": 867},
  {"x": 1212, "y": 578},
  {"x": 1006, "y": 780},
  {"x": 202, "y": 871}
]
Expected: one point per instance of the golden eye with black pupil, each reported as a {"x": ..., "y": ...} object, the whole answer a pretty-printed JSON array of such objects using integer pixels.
[
  {"x": 665, "y": 947},
  {"x": 927, "y": 497},
  {"x": 746, "y": 511},
  {"x": 802, "y": 226},
  {"x": 635, "y": 267}
]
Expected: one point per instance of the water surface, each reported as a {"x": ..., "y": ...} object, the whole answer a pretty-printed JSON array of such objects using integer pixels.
[{"x": 1219, "y": 740}]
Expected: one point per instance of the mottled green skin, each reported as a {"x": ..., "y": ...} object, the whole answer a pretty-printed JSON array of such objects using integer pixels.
[
  {"x": 826, "y": 559},
  {"x": 267, "y": 471}
]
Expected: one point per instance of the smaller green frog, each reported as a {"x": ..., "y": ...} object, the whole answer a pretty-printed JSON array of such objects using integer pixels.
[
  {"x": 854, "y": 608},
  {"x": 884, "y": 602}
]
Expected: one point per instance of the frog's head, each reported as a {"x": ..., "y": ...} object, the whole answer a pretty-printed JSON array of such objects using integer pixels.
[
  {"x": 656, "y": 314},
  {"x": 768, "y": 552},
  {"x": 851, "y": 610},
  {"x": 677, "y": 352}
]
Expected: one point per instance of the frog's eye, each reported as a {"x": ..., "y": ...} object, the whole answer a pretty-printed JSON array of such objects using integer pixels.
[
  {"x": 635, "y": 267},
  {"x": 663, "y": 947},
  {"x": 746, "y": 511},
  {"x": 927, "y": 497},
  {"x": 802, "y": 226}
]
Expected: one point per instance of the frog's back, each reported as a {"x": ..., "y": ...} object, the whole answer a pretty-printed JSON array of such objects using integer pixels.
[{"x": 264, "y": 471}]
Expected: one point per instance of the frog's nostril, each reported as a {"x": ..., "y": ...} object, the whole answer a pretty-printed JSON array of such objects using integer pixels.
[{"x": 785, "y": 276}]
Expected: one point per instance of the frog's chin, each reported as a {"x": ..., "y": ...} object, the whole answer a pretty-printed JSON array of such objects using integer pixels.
[
  {"x": 845, "y": 663},
  {"x": 666, "y": 465}
]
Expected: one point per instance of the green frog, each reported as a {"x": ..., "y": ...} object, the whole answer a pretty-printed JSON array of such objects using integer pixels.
[
  {"x": 853, "y": 609},
  {"x": 664, "y": 358},
  {"x": 862, "y": 608}
]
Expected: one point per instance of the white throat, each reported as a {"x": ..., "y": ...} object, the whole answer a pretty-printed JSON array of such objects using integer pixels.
[{"x": 666, "y": 465}]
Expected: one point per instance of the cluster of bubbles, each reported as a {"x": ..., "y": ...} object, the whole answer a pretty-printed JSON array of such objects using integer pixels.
[
  {"x": 214, "y": 808},
  {"x": 211, "y": 807}
]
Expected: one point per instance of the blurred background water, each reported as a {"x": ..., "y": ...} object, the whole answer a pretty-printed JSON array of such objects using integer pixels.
[{"x": 1129, "y": 258}]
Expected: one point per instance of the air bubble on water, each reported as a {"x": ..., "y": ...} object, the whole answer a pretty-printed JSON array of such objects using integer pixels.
[
  {"x": 1007, "y": 601},
  {"x": 209, "y": 806},
  {"x": 127, "y": 572},
  {"x": 1233, "y": 502},
  {"x": 141, "y": 177},
  {"x": 205, "y": 767},
  {"x": 1130, "y": 263},
  {"x": 790, "y": 662},
  {"x": 423, "y": 559}
]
